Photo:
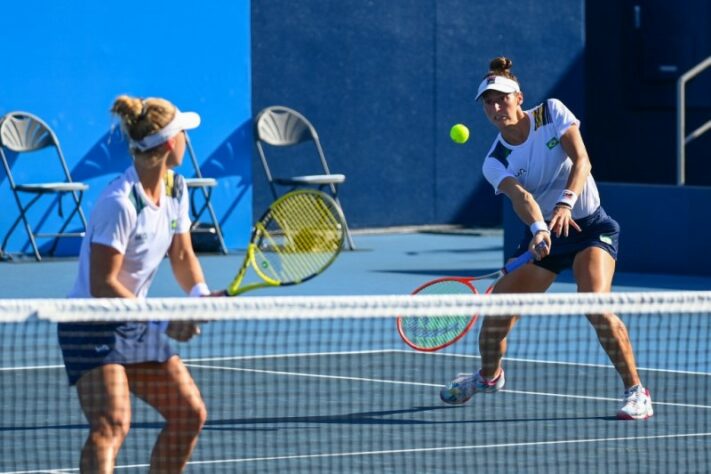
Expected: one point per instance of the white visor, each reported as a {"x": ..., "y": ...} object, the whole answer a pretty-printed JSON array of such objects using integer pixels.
[
  {"x": 181, "y": 121},
  {"x": 497, "y": 83}
]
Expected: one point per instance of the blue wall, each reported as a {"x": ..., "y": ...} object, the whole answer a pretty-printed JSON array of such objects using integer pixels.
[
  {"x": 384, "y": 81},
  {"x": 66, "y": 62}
]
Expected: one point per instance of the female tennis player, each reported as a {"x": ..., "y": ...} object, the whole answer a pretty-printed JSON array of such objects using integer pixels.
[
  {"x": 139, "y": 218},
  {"x": 540, "y": 163}
]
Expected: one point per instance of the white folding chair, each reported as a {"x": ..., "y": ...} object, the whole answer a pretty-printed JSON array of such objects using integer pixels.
[
  {"x": 279, "y": 126},
  {"x": 23, "y": 134}
]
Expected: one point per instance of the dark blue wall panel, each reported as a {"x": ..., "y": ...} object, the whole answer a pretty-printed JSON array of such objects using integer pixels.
[
  {"x": 384, "y": 81},
  {"x": 635, "y": 51}
]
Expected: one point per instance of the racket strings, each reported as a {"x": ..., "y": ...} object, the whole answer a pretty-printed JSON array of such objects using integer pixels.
[
  {"x": 300, "y": 238},
  {"x": 431, "y": 333}
]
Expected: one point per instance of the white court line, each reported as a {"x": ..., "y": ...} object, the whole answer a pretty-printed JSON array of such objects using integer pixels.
[
  {"x": 436, "y": 354},
  {"x": 455, "y": 448},
  {"x": 30, "y": 367},
  {"x": 555, "y": 362},
  {"x": 387, "y": 351},
  {"x": 422, "y": 384},
  {"x": 407, "y": 451}
]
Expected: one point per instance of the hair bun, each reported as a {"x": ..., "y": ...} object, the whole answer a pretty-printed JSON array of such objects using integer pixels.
[{"x": 500, "y": 64}]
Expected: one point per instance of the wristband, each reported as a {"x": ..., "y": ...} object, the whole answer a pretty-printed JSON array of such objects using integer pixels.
[
  {"x": 539, "y": 226},
  {"x": 200, "y": 289},
  {"x": 567, "y": 198}
]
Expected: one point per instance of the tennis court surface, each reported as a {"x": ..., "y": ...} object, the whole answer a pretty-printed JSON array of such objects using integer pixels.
[{"x": 308, "y": 392}]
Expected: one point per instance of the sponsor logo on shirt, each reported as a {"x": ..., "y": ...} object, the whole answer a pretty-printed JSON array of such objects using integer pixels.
[
  {"x": 520, "y": 172},
  {"x": 102, "y": 348},
  {"x": 141, "y": 237},
  {"x": 552, "y": 143},
  {"x": 173, "y": 224}
]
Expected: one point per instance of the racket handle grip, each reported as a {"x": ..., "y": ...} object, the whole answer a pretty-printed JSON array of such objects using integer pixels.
[{"x": 522, "y": 259}]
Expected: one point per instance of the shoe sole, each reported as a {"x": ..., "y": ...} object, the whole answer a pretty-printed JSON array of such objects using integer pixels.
[{"x": 626, "y": 417}]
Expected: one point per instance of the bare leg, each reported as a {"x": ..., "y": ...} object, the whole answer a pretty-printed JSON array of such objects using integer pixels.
[
  {"x": 593, "y": 269},
  {"x": 494, "y": 330},
  {"x": 104, "y": 398},
  {"x": 170, "y": 389}
]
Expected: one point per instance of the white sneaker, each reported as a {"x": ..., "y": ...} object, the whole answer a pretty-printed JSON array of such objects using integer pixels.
[
  {"x": 461, "y": 389},
  {"x": 637, "y": 404}
]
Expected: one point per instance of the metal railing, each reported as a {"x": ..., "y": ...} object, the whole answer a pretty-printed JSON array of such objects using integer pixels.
[{"x": 681, "y": 138}]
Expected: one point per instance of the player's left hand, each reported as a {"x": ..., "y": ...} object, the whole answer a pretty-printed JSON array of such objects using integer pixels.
[
  {"x": 562, "y": 221},
  {"x": 182, "y": 330}
]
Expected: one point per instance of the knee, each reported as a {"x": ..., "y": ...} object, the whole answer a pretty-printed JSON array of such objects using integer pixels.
[
  {"x": 191, "y": 419},
  {"x": 110, "y": 430}
]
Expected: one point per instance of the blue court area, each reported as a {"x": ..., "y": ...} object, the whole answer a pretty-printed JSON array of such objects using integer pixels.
[{"x": 334, "y": 395}]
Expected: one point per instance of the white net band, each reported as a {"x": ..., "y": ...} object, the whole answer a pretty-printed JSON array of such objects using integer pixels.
[{"x": 309, "y": 307}]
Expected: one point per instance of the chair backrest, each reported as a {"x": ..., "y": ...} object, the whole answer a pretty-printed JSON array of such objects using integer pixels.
[
  {"x": 23, "y": 132},
  {"x": 281, "y": 126}
]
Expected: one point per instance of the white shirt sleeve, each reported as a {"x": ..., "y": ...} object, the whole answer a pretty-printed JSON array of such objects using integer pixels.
[
  {"x": 561, "y": 116},
  {"x": 494, "y": 170},
  {"x": 114, "y": 224}
]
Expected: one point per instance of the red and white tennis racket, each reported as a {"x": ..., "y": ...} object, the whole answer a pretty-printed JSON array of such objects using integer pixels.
[{"x": 431, "y": 334}]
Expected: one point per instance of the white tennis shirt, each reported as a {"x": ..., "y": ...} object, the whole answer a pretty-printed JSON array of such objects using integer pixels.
[
  {"x": 126, "y": 220},
  {"x": 540, "y": 164}
]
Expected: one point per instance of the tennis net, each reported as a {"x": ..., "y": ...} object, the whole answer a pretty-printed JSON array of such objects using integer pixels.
[{"x": 325, "y": 384}]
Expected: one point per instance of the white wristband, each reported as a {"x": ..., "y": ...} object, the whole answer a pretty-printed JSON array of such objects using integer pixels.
[
  {"x": 567, "y": 198},
  {"x": 200, "y": 289},
  {"x": 539, "y": 226}
]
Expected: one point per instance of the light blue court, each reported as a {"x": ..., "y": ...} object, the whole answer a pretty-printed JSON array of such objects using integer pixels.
[{"x": 349, "y": 396}]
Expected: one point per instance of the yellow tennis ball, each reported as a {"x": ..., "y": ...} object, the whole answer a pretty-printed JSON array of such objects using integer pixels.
[{"x": 459, "y": 133}]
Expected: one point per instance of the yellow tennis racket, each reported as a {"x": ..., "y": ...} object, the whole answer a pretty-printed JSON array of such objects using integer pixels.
[{"x": 298, "y": 237}]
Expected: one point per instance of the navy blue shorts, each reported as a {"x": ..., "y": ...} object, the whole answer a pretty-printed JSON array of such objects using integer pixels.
[
  {"x": 597, "y": 230},
  {"x": 86, "y": 346}
]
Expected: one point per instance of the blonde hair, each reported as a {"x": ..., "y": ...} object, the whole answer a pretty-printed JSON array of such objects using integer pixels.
[
  {"x": 142, "y": 117},
  {"x": 501, "y": 66}
]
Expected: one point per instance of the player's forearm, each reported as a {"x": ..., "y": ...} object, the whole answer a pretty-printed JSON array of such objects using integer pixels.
[
  {"x": 185, "y": 264},
  {"x": 523, "y": 202},
  {"x": 109, "y": 288},
  {"x": 527, "y": 209},
  {"x": 187, "y": 270}
]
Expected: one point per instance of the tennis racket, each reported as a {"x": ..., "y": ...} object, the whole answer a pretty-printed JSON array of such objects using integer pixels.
[
  {"x": 297, "y": 238},
  {"x": 432, "y": 334}
]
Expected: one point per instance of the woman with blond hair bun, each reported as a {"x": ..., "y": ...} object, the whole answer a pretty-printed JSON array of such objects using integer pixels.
[{"x": 139, "y": 218}]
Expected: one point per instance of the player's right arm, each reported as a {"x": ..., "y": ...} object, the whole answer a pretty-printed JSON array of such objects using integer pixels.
[
  {"x": 113, "y": 221},
  {"x": 104, "y": 271},
  {"x": 529, "y": 212}
]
